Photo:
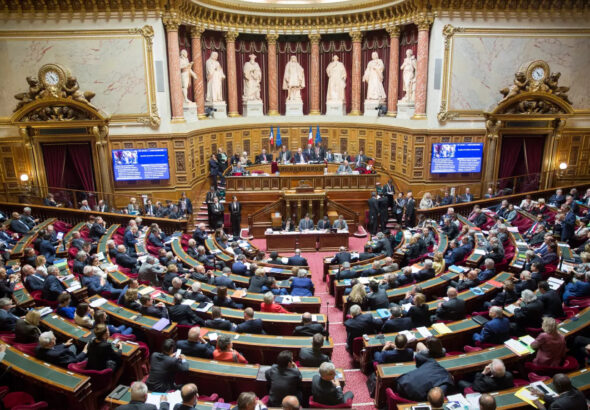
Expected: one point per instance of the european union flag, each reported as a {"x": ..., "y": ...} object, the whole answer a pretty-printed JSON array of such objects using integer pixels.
[
  {"x": 278, "y": 141},
  {"x": 318, "y": 136}
]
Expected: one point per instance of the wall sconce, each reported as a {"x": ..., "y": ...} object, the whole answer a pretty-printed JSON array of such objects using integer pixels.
[
  {"x": 562, "y": 166},
  {"x": 26, "y": 184},
  {"x": 24, "y": 178}
]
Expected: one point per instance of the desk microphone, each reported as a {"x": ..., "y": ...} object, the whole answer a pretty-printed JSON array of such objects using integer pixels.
[{"x": 327, "y": 320}]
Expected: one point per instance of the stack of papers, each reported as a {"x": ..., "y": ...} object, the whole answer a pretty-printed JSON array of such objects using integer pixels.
[
  {"x": 172, "y": 398},
  {"x": 409, "y": 335},
  {"x": 510, "y": 308},
  {"x": 525, "y": 394},
  {"x": 441, "y": 328},
  {"x": 423, "y": 330},
  {"x": 518, "y": 347},
  {"x": 98, "y": 302},
  {"x": 554, "y": 283},
  {"x": 146, "y": 291}
]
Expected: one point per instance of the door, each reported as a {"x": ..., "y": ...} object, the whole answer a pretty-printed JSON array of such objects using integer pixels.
[{"x": 521, "y": 160}]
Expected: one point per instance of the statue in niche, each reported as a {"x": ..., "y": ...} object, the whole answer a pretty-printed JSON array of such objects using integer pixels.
[
  {"x": 374, "y": 78},
  {"x": 336, "y": 81},
  {"x": 252, "y": 78},
  {"x": 215, "y": 79},
  {"x": 186, "y": 74},
  {"x": 294, "y": 80},
  {"x": 409, "y": 76}
]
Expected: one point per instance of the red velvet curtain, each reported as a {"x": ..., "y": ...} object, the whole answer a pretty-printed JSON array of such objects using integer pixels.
[
  {"x": 300, "y": 47},
  {"x": 214, "y": 41},
  {"x": 184, "y": 43},
  {"x": 534, "y": 153},
  {"x": 340, "y": 45},
  {"x": 375, "y": 41},
  {"x": 246, "y": 45},
  {"x": 54, "y": 157},
  {"x": 408, "y": 40},
  {"x": 81, "y": 157},
  {"x": 511, "y": 151}
]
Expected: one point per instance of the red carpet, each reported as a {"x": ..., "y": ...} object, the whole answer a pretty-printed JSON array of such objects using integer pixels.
[{"x": 355, "y": 379}]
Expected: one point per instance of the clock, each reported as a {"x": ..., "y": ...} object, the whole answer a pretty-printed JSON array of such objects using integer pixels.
[
  {"x": 538, "y": 74},
  {"x": 52, "y": 75},
  {"x": 537, "y": 71}
]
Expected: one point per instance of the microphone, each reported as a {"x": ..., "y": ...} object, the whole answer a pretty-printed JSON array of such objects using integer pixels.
[{"x": 327, "y": 320}]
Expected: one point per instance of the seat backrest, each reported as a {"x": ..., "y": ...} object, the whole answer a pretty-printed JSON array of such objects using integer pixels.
[
  {"x": 28, "y": 348},
  {"x": 35, "y": 406}
]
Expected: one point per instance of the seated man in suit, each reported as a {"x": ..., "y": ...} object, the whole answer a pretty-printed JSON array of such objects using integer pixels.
[
  {"x": 98, "y": 229},
  {"x": 300, "y": 157},
  {"x": 297, "y": 259},
  {"x": 455, "y": 254},
  {"x": 525, "y": 282},
  {"x": 250, "y": 325},
  {"x": 326, "y": 388},
  {"x": 495, "y": 331},
  {"x": 52, "y": 287},
  {"x": 263, "y": 158},
  {"x": 139, "y": 395},
  {"x": 452, "y": 309},
  {"x": 313, "y": 356},
  {"x": 17, "y": 225},
  {"x": 360, "y": 324},
  {"x": 529, "y": 312},
  {"x": 306, "y": 224},
  {"x": 427, "y": 272},
  {"x": 239, "y": 266},
  {"x": 552, "y": 305},
  {"x": 346, "y": 273},
  {"x": 98, "y": 285},
  {"x": 183, "y": 314},
  {"x": 489, "y": 272},
  {"x": 340, "y": 223},
  {"x": 416, "y": 384},
  {"x": 130, "y": 237},
  {"x": 196, "y": 294},
  {"x": 466, "y": 281},
  {"x": 344, "y": 168},
  {"x": 59, "y": 355},
  {"x": 195, "y": 345},
  {"x": 224, "y": 279},
  {"x": 8, "y": 317},
  {"x": 342, "y": 256},
  {"x": 395, "y": 352},
  {"x": 217, "y": 322},
  {"x": 149, "y": 309},
  {"x": 397, "y": 323},
  {"x": 125, "y": 260},
  {"x": 568, "y": 397},
  {"x": 578, "y": 289},
  {"x": 494, "y": 377},
  {"x": 308, "y": 327},
  {"x": 377, "y": 298},
  {"x": 324, "y": 224}
]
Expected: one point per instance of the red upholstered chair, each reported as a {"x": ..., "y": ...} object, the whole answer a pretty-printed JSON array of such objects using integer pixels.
[
  {"x": 533, "y": 331},
  {"x": 214, "y": 397},
  {"x": 17, "y": 398},
  {"x": 315, "y": 405},
  {"x": 102, "y": 380},
  {"x": 357, "y": 347},
  {"x": 580, "y": 303},
  {"x": 35, "y": 406},
  {"x": 8, "y": 338},
  {"x": 534, "y": 377},
  {"x": 569, "y": 365},
  {"x": 469, "y": 349},
  {"x": 28, "y": 348},
  {"x": 393, "y": 399},
  {"x": 61, "y": 226},
  {"x": 72, "y": 252},
  {"x": 39, "y": 301},
  {"x": 182, "y": 331}
]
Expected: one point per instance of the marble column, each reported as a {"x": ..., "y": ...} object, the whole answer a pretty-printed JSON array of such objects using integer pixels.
[
  {"x": 357, "y": 38},
  {"x": 392, "y": 88},
  {"x": 197, "y": 56},
  {"x": 314, "y": 88},
  {"x": 176, "y": 98},
  {"x": 232, "y": 82},
  {"x": 273, "y": 75},
  {"x": 421, "y": 69}
]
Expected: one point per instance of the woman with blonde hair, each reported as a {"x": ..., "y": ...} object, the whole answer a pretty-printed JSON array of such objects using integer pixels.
[
  {"x": 550, "y": 345},
  {"x": 41, "y": 264},
  {"x": 27, "y": 329},
  {"x": 130, "y": 300},
  {"x": 426, "y": 201},
  {"x": 419, "y": 312},
  {"x": 438, "y": 263},
  {"x": 358, "y": 295},
  {"x": 258, "y": 282}
]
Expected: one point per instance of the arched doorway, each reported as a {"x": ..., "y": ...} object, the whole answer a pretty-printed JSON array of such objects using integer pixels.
[{"x": 521, "y": 156}]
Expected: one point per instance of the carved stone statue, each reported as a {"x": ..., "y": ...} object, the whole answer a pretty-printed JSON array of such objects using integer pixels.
[
  {"x": 520, "y": 82},
  {"x": 409, "y": 76},
  {"x": 373, "y": 76},
  {"x": 215, "y": 78},
  {"x": 186, "y": 74},
  {"x": 72, "y": 89},
  {"x": 336, "y": 81},
  {"x": 293, "y": 80},
  {"x": 32, "y": 94},
  {"x": 252, "y": 78},
  {"x": 553, "y": 88}
]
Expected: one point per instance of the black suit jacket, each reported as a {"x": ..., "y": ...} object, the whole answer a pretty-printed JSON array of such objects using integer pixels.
[
  {"x": 552, "y": 304},
  {"x": 220, "y": 324},
  {"x": 99, "y": 353},
  {"x": 360, "y": 325},
  {"x": 341, "y": 257},
  {"x": 260, "y": 158},
  {"x": 309, "y": 329},
  {"x": 163, "y": 369},
  {"x": 484, "y": 384},
  {"x": 310, "y": 358},
  {"x": 195, "y": 349},
  {"x": 96, "y": 231},
  {"x": 52, "y": 288},
  {"x": 253, "y": 326},
  {"x": 139, "y": 405},
  {"x": 572, "y": 399},
  {"x": 378, "y": 300},
  {"x": 373, "y": 208},
  {"x": 59, "y": 355},
  {"x": 283, "y": 382},
  {"x": 184, "y": 315},
  {"x": 452, "y": 309},
  {"x": 325, "y": 392},
  {"x": 397, "y": 325}
]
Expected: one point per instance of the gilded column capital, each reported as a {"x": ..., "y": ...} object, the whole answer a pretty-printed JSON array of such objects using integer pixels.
[
  {"x": 231, "y": 36},
  {"x": 171, "y": 23},
  {"x": 314, "y": 38},
  {"x": 196, "y": 31},
  {"x": 272, "y": 38},
  {"x": 423, "y": 22},
  {"x": 356, "y": 36},
  {"x": 393, "y": 31}
]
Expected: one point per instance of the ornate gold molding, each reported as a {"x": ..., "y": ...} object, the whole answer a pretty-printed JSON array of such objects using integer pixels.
[
  {"x": 272, "y": 38},
  {"x": 423, "y": 22},
  {"x": 231, "y": 36},
  {"x": 449, "y": 31},
  {"x": 444, "y": 115},
  {"x": 357, "y": 36},
  {"x": 196, "y": 31},
  {"x": 314, "y": 38},
  {"x": 171, "y": 23},
  {"x": 393, "y": 31}
]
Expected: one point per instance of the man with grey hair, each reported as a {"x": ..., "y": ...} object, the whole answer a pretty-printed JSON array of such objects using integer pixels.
[
  {"x": 452, "y": 309},
  {"x": 28, "y": 219},
  {"x": 342, "y": 256},
  {"x": 176, "y": 287},
  {"x": 496, "y": 330},
  {"x": 326, "y": 388},
  {"x": 301, "y": 285},
  {"x": 530, "y": 310},
  {"x": 196, "y": 293},
  {"x": 526, "y": 282},
  {"x": 139, "y": 394},
  {"x": 59, "y": 355},
  {"x": 489, "y": 271},
  {"x": 34, "y": 278},
  {"x": 427, "y": 272},
  {"x": 494, "y": 377},
  {"x": 389, "y": 266},
  {"x": 8, "y": 317},
  {"x": 346, "y": 273},
  {"x": 297, "y": 259},
  {"x": 360, "y": 324},
  {"x": 151, "y": 271}
]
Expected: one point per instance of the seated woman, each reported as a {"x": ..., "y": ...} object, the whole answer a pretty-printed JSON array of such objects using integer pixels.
[
  {"x": 550, "y": 345},
  {"x": 96, "y": 270},
  {"x": 224, "y": 351},
  {"x": 268, "y": 304},
  {"x": 101, "y": 354},
  {"x": 131, "y": 300},
  {"x": 133, "y": 207},
  {"x": 438, "y": 263},
  {"x": 101, "y": 318},
  {"x": 419, "y": 312},
  {"x": 358, "y": 295},
  {"x": 426, "y": 201},
  {"x": 258, "y": 282},
  {"x": 301, "y": 285},
  {"x": 84, "y": 315},
  {"x": 413, "y": 248},
  {"x": 27, "y": 329},
  {"x": 63, "y": 308},
  {"x": 222, "y": 300},
  {"x": 41, "y": 264},
  {"x": 289, "y": 225}
]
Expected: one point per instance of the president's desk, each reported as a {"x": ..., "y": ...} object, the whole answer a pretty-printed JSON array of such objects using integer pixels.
[{"x": 307, "y": 241}]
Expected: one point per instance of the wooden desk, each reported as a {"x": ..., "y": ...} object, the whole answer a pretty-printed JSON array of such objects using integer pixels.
[
  {"x": 62, "y": 248},
  {"x": 27, "y": 239},
  {"x": 322, "y": 241},
  {"x": 118, "y": 278}
]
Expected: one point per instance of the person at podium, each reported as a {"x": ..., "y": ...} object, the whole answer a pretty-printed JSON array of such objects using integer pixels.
[
  {"x": 317, "y": 154},
  {"x": 340, "y": 224},
  {"x": 263, "y": 158},
  {"x": 329, "y": 157},
  {"x": 344, "y": 168},
  {"x": 361, "y": 160},
  {"x": 284, "y": 155},
  {"x": 300, "y": 157},
  {"x": 324, "y": 224},
  {"x": 289, "y": 225},
  {"x": 237, "y": 169},
  {"x": 306, "y": 224}
]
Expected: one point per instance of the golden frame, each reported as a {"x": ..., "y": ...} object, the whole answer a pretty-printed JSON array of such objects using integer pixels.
[
  {"x": 446, "y": 112},
  {"x": 146, "y": 33}
]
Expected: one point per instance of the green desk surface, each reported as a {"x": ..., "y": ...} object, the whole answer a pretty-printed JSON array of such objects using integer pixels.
[
  {"x": 213, "y": 246},
  {"x": 21, "y": 296},
  {"x": 249, "y": 371},
  {"x": 68, "y": 237},
  {"x": 102, "y": 244},
  {"x": 26, "y": 239},
  {"x": 269, "y": 340},
  {"x": 66, "y": 327},
  {"x": 201, "y": 405},
  {"x": 579, "y": 321},
  {"x": 480, "y": 358},
  {"x": 455, "y": 327},
  {"x": 47, "y": 373}
]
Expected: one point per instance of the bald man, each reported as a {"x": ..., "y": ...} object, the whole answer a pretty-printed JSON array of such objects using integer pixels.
[
  {"x": 452, "y": 309},
  {"x": 487, "y": 402},
  {"x": 436, "y": 398},
  {"x": 189, "y": 394},
  {"x": 290, "y": 403},
  {"x": 139, "y": 393},
  {"x": 195, "y": 345}
]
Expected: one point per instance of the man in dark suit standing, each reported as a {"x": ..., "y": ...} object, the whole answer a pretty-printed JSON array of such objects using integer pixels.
[
  {"x": 452, "y": 309},
  {"x": 307, "y": 327},
  {"x": 297, "y": 259},
  {"x": 214, "y": 170},
  {"x": 164, "y": 366},
  {"x": 359, "y": 325},
  {"x": 139, "y": 394},
  {"x": 216, "y": 212},
  {"x": 183, "y": 314},
  {"x": 373, "y": 213},
  {"x": 389, "y": 192},
  {"x": 235, "y": 212},
  {"x": 410, "y": 210},
  {"x": 250, "y": 325},
  {"x": 185, "y": 205},
  {"x": 263, "y": 158},
  {"x": 569, "y": 225},
  {"x": 377, "y": 299}
]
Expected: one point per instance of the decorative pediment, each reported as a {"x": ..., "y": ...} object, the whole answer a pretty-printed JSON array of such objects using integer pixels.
[{"x": 55, "y": 96}]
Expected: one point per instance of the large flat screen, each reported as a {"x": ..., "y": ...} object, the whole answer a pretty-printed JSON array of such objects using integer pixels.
[
  {"x": 140, "y": 164},
  {"x": 448, "y": 158}
]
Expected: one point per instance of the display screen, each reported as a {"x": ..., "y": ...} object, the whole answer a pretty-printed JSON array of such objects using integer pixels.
[
  {"x": 452, "y": 158},
  {"x": 140, "y": 164}
]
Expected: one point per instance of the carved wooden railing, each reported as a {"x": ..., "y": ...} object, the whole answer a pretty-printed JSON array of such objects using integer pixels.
[
  {"x": 74, "y": 216},
  {"x": 260, "y": 220},
  {"x": 351, "y": 216}
]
